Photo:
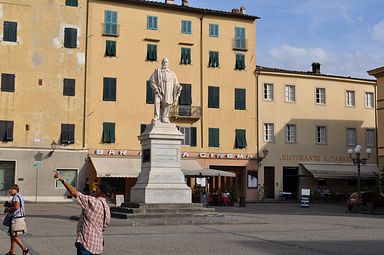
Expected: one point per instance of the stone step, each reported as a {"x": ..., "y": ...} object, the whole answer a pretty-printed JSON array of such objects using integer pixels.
[
  {"x": 119, "y": 215},
  {"x": 163, "y": 205},
  {"x": 170, "y": 221}
]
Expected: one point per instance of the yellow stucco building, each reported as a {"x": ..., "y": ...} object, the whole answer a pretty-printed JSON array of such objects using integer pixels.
[
  {"x": 307, "y": 121},
  {"x": 213, "y": 55},
  {"x": 42, "y": 51},
  {"x": 378, "y": 73}
]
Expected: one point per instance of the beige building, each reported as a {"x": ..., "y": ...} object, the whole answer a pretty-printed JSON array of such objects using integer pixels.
[
  {"x": 213, "y": 55},
  {"x": 42, "y": 51},
  {"x": 378, "y": 73},
  {"x": 307, "y": 121}
]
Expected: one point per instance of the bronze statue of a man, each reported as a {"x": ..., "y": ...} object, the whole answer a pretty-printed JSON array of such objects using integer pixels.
[{"x": 166, "y": 90}]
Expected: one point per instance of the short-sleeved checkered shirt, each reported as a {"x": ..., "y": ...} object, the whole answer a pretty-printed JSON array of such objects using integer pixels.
[{"x": 92, "y": 223}]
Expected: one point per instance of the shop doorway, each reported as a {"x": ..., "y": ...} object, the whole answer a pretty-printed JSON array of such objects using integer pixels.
[
  {"x": 269, "y": 182},
  {"x": 290, "y": 181},
  {"x": 7, "y": 176},
  {"x": 222, "y": 184}
]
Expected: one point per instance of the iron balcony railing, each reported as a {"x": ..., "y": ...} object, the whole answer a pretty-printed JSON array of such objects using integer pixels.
[{"x": 186, "y": 111}]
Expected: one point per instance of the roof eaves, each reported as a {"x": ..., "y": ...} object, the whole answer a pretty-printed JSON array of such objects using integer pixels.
[
  {"x": 278, "y": 70},
  {"x": 185, "y": 8}
]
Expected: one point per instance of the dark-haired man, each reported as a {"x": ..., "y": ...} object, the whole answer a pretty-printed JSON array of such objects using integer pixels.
[{"x": 94, "y": 218}]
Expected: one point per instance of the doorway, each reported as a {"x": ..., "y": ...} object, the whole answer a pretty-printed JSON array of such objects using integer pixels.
[
  {"x": 290, "y": 181},
  {"x": 269, "y": 182}
]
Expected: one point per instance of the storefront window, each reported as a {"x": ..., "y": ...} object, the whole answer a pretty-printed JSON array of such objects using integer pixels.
[
  {"x": 69, "y": 175},
  {"x": 7, "y": 176}
]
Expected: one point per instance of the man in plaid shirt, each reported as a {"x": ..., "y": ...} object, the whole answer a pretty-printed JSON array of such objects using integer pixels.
[{"x": 94, "y": 218}]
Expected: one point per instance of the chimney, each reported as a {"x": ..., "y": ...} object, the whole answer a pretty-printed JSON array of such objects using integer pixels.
[
  {"x": 184, "y": 2},
  {"x": 243, "y": 10},
  {"x": 169, "y": 1},
  {"x": 236, "y": 11},
  {"x": 316, "y": 68}
]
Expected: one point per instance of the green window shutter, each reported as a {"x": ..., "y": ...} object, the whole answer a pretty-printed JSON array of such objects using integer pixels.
[
  {"x": 193, "y": 137},
  {"x": 216, "y": 61},
  {"x": 109, "y": 132},
  {"x": 186, "y": 95},
  {"x": 151, "y": 52},
  {"x": 151, "y": 22},
  {"x": 3, "y": 130},
  {"x": 149, "y": 94},
  {"x": 69, "y": 87},
  {"x": 10, "y": 31},
  {"x": 70, "y": 37},
  {"x": 109, "y": 89},
  {"x": 210, "y": 64},
  {"x": 213, "y": 134},
  {"x": 67, "y": 133},
  {"x": 185, "y": 56},
  {"x": 240, "y": 62},
  {"x": 110, "y": 23},
  {"x": 7, "y": 82},
  {"x": 9, "y": 136},
  {"x": 110, "y": 48},
  {"x": 142, "y": 128},
  {"x": 213, "y": 97},
  {"x": 71, "y": 3},
  {"x": 240, "y": 98},
  {"x": 240, "y": 139}
]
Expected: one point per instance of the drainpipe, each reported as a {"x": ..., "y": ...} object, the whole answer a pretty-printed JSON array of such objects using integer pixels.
[
  {"x": 85, "y": 75},
  {"x": 201, "y": 83}
]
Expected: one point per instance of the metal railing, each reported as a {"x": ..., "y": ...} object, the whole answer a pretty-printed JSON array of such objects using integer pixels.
[{"x": 186, "y": 111}]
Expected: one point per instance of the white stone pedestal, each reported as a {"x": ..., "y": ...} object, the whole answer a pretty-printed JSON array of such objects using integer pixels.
[{"x": 161, "y": 179}]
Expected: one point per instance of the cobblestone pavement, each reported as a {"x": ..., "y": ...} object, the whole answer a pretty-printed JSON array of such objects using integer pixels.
[{"x": 275, "y": 228}]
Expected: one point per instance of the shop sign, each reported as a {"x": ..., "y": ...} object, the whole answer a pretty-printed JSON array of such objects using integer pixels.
[
  {"x": 219, "y": 155},
  {"x": 315, "y": 158}
]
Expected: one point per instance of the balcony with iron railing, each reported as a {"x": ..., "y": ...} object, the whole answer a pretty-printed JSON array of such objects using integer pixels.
[
  {"x": 240, "y": 44},
  {"x": 185, "y": 111}
]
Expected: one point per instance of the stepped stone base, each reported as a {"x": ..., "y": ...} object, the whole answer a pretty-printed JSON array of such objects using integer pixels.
[{"x": 167, "y": 214}]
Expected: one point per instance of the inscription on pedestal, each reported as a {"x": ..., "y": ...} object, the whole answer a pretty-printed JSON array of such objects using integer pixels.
[{"x": 166, "y": 154}]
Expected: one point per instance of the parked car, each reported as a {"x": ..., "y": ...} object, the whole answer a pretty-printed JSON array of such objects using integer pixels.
[{"x": 364, "y": 198}]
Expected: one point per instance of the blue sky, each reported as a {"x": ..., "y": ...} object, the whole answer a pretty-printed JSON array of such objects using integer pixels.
[{"x": 345, "y": 36}]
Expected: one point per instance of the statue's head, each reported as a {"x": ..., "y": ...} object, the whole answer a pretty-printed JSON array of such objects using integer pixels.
[{"x": 164, "y": 63}]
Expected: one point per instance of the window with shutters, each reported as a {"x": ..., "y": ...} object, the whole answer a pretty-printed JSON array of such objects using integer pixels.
[
  {"x": 110, "y": 48},
  {"x": 240, "y": 139},
  {"x": 71, "y": 3},
  {"x": 240, "y": 42},
  {"x": 10, "y": 31},
  {"x": 269, "y": 132},
  {"x": 151, "y": 22},
  {"x": 290, "y": 93},
  {"x": 109, "y": 89},
  {"x": 213, "y": 97},
  {"x": 268, "y": 91},
  {"x": 213, "y": 137},
  {"x": 290, "y": 133},
  {"x": 7, "y": 82},
  {"x": 240, "y": 99},
  {"x": 213, "y": 30},
  {"x": 369, "y": 101},
  {"x": 240, "y": 62},
  {"x": 6, "y": 130},
  {"x": 185, "y": 100},
  {"x": 190, "y": 136},
  {"x": 69, "y": 87},
  {"x": 213, "y": 59},
  {"x": 67, "y": 134},
  {"x": 186, "y": 27},
  {"x": 351, "y": 136},
  {"x": 149, "y": 99},
  {"x": 151, "y": 52},
  {"x": 321, "y": 135},
  {"x": 185, "y": 56},
  {"x": 350, "y": 98},
  {"x": 108, "y": 132},
  {"x": 70, "y": 37},
  {"x": 370, "y": 137},
  {"x": 110, "y": 23},
  {"x": 320, "y": 95}
]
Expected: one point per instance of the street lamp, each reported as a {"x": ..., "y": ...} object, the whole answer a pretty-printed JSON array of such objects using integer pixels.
[
  {"x": 358, "y": 160},
  {"x": 261, "y": 158}
]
